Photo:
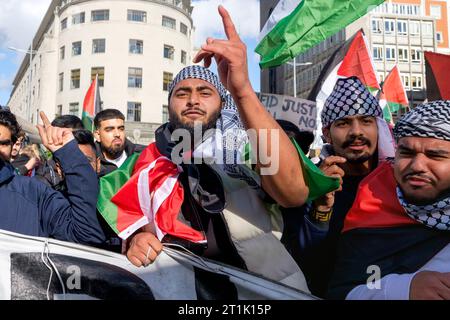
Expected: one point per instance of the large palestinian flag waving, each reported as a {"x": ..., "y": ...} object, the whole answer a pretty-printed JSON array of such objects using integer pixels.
[{"x": 297, "y": 25}]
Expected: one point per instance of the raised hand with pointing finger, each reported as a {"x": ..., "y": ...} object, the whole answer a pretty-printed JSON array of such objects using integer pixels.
[
  {"x": 285, "y": 184},
  {"x": 230, "y": 56},
  {"x": 53, "y": 138}
]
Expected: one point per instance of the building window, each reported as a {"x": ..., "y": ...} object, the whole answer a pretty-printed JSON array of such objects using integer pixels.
[
  {"x": 378, "y": 53},
  {"x": 167, "y": 79},
  {"x": 183, "y": 57},
  {"x": 100, "y": 71},
  {"x": 439, "y": 37},
  {"x": 134, "y": 111},
  {"x": 427, "y": 29},
  {"x": 435, "y": 12},
  {"x": 62, "y": 53},
  {"x": 376, "y": 25},
  {"x": 416, "y": 56},
  {"x": 405, "y": 81},
  {"x": 100, "y": 15},
  {"x": 74, "y": 108},
  {"x": 168, "y": 22},
  {"x": 402, "y": 27},
  {"x": 63, "y": 24},
  {"x": 183, "y": 28},
  {"x": 390, "y": 53},
  {"x": 136, "y": 46},
  {"x": 414, "y": 28},
  {"x": 75, "y": 79},
  {"x": 98, "y": 46},
  {"x": 389, "y": 26},
  {"x": 134, "y": 77},
  {"x": 416, "y": 82},
  {"x": 76, "y": 48},
  {"x": 169, "y": 52},
  {"x": 61, "y": 82},
  {"x": 78, "y": 18},
  {"x": 165, "y": 113},
  {"x": 402, "y": 54},
  {"x": 58, "y": 111},
  {"x": 138, "y": 16}
]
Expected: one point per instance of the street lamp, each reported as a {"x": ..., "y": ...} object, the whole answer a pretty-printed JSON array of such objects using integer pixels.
[
  {"x": 295, "y": 65},
  {"x": 30, "y": 52}
]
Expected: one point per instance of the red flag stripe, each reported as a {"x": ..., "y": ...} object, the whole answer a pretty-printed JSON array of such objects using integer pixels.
[{"x": 358, "y": 62}]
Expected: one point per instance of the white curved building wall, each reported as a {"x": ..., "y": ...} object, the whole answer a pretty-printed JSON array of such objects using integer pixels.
[{"x": 117, "y": 31}]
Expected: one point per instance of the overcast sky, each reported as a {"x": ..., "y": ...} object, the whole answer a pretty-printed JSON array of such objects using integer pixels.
[{"x": 19, "y": 20}]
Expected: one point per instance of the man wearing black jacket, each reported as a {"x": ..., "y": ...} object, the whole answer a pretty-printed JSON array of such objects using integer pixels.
[
  {"x": 32, "y": 208},
  {"x": 113, "y": 148}
]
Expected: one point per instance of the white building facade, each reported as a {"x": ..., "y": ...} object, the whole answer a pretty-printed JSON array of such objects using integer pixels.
[
  {"x": 135, "y": 47},
  {"x": 399, "y": 35}
]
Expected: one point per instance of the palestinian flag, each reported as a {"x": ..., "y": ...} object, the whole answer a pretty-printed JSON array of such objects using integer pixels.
[
  {"x": 145, "y": 189},
  {"x": 297, "y": 25},
  {"x": 393, "y": 95},
  {"x": 437, "y": 69},
  {"x": 91, "y": 105},
  {"x": 378, "y": 232},
  {"x": 352, "y": 58}
]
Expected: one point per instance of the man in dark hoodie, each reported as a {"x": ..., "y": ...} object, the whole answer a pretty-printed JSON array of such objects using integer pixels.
[
  {"x": 113, "y": 148},
  {"x": 32, "y": 208}
]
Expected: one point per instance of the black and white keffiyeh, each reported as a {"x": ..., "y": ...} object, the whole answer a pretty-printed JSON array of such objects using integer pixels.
[
  {"x": 202, "y": 73},
  {"x": 227, "y": 146},
  {"x": 349, "y": 98},
  {"x": 429, "y": 120},
  {"x": 436, "y": 215}
]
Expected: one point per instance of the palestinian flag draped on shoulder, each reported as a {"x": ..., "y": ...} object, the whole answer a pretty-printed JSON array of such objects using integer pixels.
[
  {"x": 146, "y": 189},
  {"x": 91, "y": 105},
  {"x": 297, "y": 25},
  {"x": 393, "y": 95}
]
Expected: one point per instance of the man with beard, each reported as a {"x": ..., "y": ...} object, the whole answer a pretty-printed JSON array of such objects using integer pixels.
[
  {"x": 216, "y": 209},
  {"x": 395, "y": 241},
  {"x": 113, "y": 148},
  {"x": 351, "y": 120}
]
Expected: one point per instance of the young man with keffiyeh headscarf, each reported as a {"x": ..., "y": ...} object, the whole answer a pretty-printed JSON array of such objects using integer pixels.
[
  {"x": 216, "y": 208},
  {"x": 395, "y": 241},
  {"x": 357, "y": 140}
]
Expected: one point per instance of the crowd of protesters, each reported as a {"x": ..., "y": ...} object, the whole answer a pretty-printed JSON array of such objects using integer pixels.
[{"x": 391, "y": 208}]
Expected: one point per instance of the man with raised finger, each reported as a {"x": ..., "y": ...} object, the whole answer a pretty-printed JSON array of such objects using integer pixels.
[
  {"x": 32, "y": 208},
  {"x": 396, "y": 242},
  {"x": 215, "y": 208}
]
